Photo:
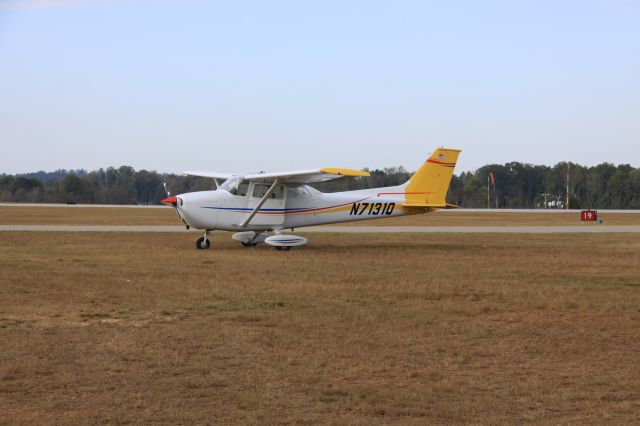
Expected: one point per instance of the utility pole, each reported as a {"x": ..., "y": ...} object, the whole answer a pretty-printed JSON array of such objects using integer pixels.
[{"x": 568, "y": 175}]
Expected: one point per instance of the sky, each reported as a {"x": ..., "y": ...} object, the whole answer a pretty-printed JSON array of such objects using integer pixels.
[{"x": 243, "y": 86}]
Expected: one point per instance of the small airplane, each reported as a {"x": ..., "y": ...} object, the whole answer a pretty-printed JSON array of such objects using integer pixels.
[{"x": 255, "y": 204}]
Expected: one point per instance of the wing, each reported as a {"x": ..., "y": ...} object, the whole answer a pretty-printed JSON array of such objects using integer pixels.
[
  {"x": 214, "y": 175},
  {"x": 303, "y": 177}
]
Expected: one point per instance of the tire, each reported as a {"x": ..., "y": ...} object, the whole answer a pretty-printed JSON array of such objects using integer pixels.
[
  {"x": 282, "y": 248},
  {"x": 249, "y": 244},
  {"x": 202, "y": 244}
]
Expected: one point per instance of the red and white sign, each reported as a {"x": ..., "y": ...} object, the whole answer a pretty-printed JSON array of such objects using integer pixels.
[{"x": 589, "y": 215}]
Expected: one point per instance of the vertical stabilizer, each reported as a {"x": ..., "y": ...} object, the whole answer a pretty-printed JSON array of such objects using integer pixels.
[{"x": 429, "y": 185}]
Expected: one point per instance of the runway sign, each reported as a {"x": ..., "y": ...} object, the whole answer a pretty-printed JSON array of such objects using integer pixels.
[{"x": 589, "y": 215}]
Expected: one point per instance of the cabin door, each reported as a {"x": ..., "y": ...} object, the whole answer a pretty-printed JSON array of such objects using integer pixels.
[{"x": 272, "y": 211}]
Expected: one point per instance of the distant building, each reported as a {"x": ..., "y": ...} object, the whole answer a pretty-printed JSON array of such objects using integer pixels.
[{"x": 555, "y": 204}]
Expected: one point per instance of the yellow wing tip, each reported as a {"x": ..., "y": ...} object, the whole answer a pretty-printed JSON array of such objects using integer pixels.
[{"x": 344, "y": 172}]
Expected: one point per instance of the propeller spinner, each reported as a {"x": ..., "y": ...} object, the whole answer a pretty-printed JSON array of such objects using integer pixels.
[{"x": 170, "y": 201}]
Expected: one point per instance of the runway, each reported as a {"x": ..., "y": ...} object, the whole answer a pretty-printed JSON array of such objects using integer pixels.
[
  {"x": 579, "y": 229},
  {"x": 452, "y": 211}
]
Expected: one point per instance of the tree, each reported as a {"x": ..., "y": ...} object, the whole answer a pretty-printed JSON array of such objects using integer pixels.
[
  {"x": 518, "y": 185},
  {"x": 73, "y": 185}
]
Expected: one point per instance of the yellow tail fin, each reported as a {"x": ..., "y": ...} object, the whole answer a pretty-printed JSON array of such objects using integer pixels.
[{"x": 429, "y": 185}]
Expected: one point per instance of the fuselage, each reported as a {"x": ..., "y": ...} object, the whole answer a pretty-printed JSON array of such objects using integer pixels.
[
  {"x": 288, "y": 207},
  {"x": 252, "y": 204}
]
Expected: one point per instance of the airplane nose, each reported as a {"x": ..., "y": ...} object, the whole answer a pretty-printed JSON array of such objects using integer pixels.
[{"x": 170, "y": 201}]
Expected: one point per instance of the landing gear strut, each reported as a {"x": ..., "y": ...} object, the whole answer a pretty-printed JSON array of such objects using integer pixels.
[{"x": 203, "y": 242}]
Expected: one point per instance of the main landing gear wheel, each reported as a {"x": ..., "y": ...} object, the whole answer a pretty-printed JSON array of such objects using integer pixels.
[
  {"x": 203, "y": 243},
  {"x": 282, "y": 248},
  {"x": 249, "y": 244}
]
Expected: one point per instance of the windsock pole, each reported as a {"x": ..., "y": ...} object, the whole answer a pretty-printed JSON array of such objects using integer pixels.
[{"x": 488, "y": 191}]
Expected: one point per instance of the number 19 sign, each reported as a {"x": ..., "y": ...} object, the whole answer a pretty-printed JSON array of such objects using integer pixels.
[{"x": 589, "y": 216}]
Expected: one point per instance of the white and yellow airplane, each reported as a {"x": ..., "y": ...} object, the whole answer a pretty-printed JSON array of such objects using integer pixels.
[{"x": 255, "y": 204}]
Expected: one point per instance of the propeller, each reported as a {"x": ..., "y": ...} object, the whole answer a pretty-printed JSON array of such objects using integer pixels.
[
  {"x": 173, "y": 202},
  {"x": 170, "y": 201}
]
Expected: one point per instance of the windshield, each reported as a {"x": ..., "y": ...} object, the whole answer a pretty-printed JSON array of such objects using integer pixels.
[{"x": 231, "y": 184}]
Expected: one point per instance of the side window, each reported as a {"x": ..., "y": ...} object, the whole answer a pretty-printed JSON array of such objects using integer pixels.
[
  {"x": 243, "y": 189},
  {"x": 298, "y": 192},
  {"x": 292, "y": 193},
  {"x": 259, "y": 189},
  {"x": 304, "y": 192},
  {"x": 278, "y": 193}
]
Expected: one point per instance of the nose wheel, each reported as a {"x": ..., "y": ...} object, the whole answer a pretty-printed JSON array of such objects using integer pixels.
[{"x": 203, "y": 242}]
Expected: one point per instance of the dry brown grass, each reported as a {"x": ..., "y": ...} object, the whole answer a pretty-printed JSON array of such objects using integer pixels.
[
  {"x": 37, "y": 215},
  {"x": 385, "y": 329},
  {"x": 19, "y": 215}
]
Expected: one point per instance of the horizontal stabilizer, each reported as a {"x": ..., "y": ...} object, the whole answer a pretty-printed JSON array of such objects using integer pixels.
[{"x": 424, "y": 206}]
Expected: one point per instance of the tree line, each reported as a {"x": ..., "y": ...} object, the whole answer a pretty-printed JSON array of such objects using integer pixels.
[
  {"x": 512, "y": 185},
  {"x": 122, "y": 185}
]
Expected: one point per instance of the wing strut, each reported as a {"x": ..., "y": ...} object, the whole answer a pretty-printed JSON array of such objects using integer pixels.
[{"x": 260, "y": 203}]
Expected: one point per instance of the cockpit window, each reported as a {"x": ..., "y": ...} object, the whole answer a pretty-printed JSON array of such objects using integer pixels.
[
  {"x": 243, "y": 188},
  {"x": 231, "y": 185}
]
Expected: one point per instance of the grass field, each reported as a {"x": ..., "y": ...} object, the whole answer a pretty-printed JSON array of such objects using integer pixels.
[
  {"x": 19, "y": 215},
  {"x": 382, "y": 329}
]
